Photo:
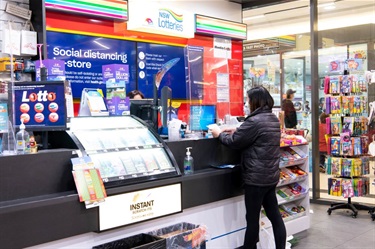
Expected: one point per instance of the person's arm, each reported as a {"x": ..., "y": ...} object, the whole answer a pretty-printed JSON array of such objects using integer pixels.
[{"x": 243, "y": 137}]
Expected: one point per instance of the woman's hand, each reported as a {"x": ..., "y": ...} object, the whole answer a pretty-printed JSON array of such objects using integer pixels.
[{"x": 215, "y": 130}]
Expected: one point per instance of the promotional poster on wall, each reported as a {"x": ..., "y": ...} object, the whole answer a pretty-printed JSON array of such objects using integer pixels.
[
  {"x": 164, "y": 64},
  {"x": 85, "y": 55}
]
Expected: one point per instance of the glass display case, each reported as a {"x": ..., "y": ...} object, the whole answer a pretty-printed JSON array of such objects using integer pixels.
[{"x": 124, "y": 148}]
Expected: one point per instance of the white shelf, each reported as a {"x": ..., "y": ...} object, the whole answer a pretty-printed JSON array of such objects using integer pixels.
[
  {"x": 298, "y": 179},
  {"x": 294, "y": 198},
  {"x": 298, "y": 223},
  {"x": 284, "y": 164},
  {"x": 292, "y": 226}
]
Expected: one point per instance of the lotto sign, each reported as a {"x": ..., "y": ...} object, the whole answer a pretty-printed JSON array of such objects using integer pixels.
[{"x": 41, "y": 105}]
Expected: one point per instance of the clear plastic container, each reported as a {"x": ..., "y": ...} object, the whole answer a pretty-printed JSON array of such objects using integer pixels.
[{"x": 8, "y": 145}]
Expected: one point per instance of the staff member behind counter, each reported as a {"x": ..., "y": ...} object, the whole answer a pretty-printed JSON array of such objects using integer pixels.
[
  {"x": 135, "y": 94},
  {"x": 258, "y": 138}
]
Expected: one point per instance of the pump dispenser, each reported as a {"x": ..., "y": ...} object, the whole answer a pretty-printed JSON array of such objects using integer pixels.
[
  {"x": 22, "y": 140},
  {"x": 188, "y": 162}
]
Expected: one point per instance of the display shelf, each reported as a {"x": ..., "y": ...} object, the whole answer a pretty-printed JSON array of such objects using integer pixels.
[
  {"x": 301, "y": 221},
  {"x": 293, "y": 145},
  {"x": 347, "y": 125},
  {"x": 297, "y": 179},
  {"x": 124, "y": 150},
  {"x": 284, "y": 164},
  {"x": 267, "y": 223},
  {"x": 293, "y": 198}
]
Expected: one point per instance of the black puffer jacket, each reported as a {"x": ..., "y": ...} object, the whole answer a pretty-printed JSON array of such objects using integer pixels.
[{"x": 259, "y": 140}]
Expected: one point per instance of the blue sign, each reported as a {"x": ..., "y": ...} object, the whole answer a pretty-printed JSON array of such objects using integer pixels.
[
  {"x": 40, "y": 104},
  {"x": 163, "y": 65},
  {"x": 84, "y": 57},
  {"x": 195, "y": 58}
]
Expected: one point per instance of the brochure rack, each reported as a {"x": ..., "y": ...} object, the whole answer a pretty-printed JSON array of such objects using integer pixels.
[
  {"x": 292, "y": 190},
  {"x": 124, "y": 149},
  {"x": 348, "y": 160}
]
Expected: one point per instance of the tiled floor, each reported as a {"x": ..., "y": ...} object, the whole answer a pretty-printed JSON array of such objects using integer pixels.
[{"x": 338, "y": 230}]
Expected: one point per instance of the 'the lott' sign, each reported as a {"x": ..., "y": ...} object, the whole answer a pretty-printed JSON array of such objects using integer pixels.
[
  {"x": 124, "y": 209},
  {"x": 158, "y": 20}
]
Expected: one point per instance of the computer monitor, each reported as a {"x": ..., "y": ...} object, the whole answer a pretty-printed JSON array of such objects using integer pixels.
[
  {"x": 201, "y": 116},
  {"x": 41, "y": 104},
  {"x": 143, "y": 109}
]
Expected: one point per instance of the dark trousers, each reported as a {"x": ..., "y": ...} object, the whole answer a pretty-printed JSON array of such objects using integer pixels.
[
  {"x": 255, "y": 197},
  {"x": 322, "y": 158}
]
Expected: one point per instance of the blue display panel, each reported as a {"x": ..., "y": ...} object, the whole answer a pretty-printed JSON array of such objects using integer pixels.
[
  {"x": 40, "y": 104},
  {"x": 201, "y": 116},
  {"x": 164, "y": 63},
  {"x": 195, "y": 59},
  {"x": 84, "y": 56}
]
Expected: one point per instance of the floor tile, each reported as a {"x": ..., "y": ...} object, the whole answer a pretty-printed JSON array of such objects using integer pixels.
[
  {"x": 305, "y": 245},
  {"x": 360, "y": 242},
  {"x": 338, "y": 230}
]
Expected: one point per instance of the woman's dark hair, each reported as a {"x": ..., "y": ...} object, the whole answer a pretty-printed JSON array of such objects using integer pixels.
[
  {"x": 259, "y": 97},
  {"x": 133, "y": 93},
  {"x": 323, "y": 117}
]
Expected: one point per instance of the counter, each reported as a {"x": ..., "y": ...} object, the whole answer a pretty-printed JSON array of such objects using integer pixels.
[{"x": 39, "y": 203}]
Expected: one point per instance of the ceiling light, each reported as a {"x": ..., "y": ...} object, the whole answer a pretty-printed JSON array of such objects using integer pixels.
[
  {"x": 326, "y": 4},
  {"x": 253, "y": 17},
  {"x": 331, "y": 7}
]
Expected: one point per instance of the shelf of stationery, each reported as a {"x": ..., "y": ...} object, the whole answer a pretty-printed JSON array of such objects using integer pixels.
[
  {"x": 284, "y": 164},
  {"x": 295, "y": 217},
  {"x": 297, "y": 179},
  {"x": 292, "y": 198},
  {"x": 292, "y": 184}
]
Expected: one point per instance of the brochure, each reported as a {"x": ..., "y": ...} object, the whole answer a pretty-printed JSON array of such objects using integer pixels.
[{"x": 88, "y": 182}]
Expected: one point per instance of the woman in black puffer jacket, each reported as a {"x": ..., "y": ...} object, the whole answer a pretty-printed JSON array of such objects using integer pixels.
[{"x": 258, "y": 138}]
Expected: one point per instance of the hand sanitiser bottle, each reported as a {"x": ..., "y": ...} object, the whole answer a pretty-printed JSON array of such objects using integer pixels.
[
  {"x": 22, "y": 140},
  {"x": 188, "y": 162}
]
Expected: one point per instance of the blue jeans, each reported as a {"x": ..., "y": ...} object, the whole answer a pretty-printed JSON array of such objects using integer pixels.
[{"x": 255, "y": 197}]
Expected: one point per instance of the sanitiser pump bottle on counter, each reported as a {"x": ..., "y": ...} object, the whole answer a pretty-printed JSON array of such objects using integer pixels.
[
  {"x": 22, "y": 140},
  {"x": 188, "y": 162}
]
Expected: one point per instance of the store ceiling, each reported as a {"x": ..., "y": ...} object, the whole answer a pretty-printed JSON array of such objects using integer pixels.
[
  {"x": 288, "y": 14},
  {"x": 249, "y": 4}
]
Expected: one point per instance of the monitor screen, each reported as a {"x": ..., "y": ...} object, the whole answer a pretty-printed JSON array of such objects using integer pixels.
[
  {"x": 201, "y": 116},
  {"x": 41, "y": 104},
  {"x": 143, "y": 109}
]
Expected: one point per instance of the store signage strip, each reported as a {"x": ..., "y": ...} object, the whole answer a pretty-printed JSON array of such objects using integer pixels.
[
  {"x": 124, "y": 209},
  {"x": 214, "y": 26},
  {"x": 157, "y": 19},
  {"x": 116, "y": 9}
]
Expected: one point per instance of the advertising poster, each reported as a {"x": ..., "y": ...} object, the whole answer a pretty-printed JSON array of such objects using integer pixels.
[
  {"x": 222, "y": 48},
  {"x": 40, "y": 104},
  {"x": 85, "y": 55},
  {"x": 222, "y": 87},
  {"x": 195, "y": 66},
  {"x": 165, "y": 64}
]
